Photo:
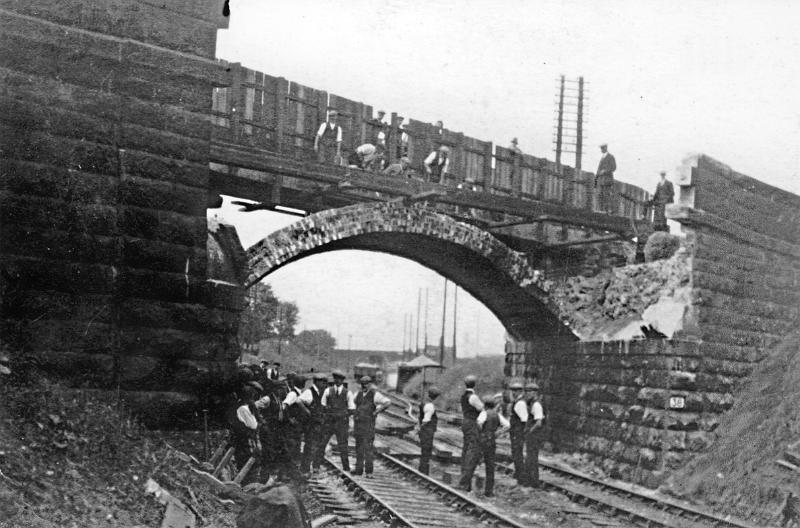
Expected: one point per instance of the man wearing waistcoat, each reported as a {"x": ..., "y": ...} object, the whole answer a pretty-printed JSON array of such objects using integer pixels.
[
  {"x": 605, "y": 179},
  {"x": 471, "y": 407},
  {"x": 534, "y": 435},
  {"x": 328, "y": 141},
  {"x": 428, "y": 422},
  {"x": 369, "y": 402},
  {"x": 338, "y": 404},
  {"x": 437, "y": 164},
  {"x": 295, "y": 414},
  {"x": 491, "y": 424},
  {"x": 313, "y": 433},
  {"x": 665, "y": 194},
  {"x": 519, "y": 421}
]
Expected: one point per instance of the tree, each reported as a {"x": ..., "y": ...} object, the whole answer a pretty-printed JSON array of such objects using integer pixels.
[
  {"x": 315, "y": 343},
  {"x": 286, "y": 320}
]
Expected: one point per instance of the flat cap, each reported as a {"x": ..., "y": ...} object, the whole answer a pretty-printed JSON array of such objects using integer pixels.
[
  {"x": 603, "y": 144},
  {"x": 531, "y": 386},
  {"x": 365, "y": 379},
  {"x": 470, "y": 380},
  {"x": 515, "y": 385},
  {"x": 434, "y": 391},
  {"x": 339, "y": 374},
  {"x": 320, "y": 376}
]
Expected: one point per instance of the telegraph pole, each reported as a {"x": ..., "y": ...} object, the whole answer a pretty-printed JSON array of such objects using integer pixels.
[
  {"x": 455, "y": 321},
  {"x": 419, "y": 303},
  {"x": 559, "y": 123},
  {"x": 425, "y": 350},
  {"x": 444, "y": 322}
]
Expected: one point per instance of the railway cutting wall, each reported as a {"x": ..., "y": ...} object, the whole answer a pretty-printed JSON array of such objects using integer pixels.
[{"x": 642, "y": 407}]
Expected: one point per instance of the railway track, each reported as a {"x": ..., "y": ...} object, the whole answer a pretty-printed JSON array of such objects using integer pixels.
[
  {"x": 608, "y": 497},
  {"x": 402, "y": 496}
]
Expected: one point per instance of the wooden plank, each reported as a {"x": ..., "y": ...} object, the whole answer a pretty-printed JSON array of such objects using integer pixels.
[
  {"x": 244, "y": 471},
  {"x": 224, "y": 461},
  {"x": 218, "y": 453}
]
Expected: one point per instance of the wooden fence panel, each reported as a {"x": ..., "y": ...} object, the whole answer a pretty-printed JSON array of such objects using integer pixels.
[
  {"x": 305, "y": 111},
  {"x": 475, "y": 156}
]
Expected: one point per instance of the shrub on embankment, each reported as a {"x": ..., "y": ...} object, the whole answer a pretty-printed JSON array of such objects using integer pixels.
[
  {"x": 489, "y": 371},
  {"x": 737, "y": 474}
]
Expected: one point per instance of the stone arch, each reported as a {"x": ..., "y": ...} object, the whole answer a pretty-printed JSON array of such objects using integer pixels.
[{"x": 499, "y": 277}]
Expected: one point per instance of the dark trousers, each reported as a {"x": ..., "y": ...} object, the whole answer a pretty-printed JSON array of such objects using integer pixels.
[
  {"x": 660, "y": 217},
  {"x": 605, "y": 197},
  {"x": 488, "y": 451},
  {"x": 518, "y": 456},
  {"x": 365, "y": 438},
  {"x": 426, "y": 449},
  {"x": 532, "y": 443},
  {"x": 292, "y": 439},
  {"x": 312, "y": 441},
  {"x": 327, "y": 152},
  {"x": 339, "y": 427},
  {"x": 470, "y": 453}
]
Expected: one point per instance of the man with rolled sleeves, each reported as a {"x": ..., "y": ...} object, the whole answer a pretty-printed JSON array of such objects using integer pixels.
[
  {"x": 338, "y": 404},
  {"x": 471, "y": 407},
  {"x": 295, "y": 415},
  {"x": 428, "y": 422},
  {"x": 313, "y": 432},
  {"x": 519, "y": 421},
  {"x": 534, "y": 435},
  {"x": 328, "y": 141},
  {"x": 369, "y": 402},
  {"x": 491, "y": 424}
]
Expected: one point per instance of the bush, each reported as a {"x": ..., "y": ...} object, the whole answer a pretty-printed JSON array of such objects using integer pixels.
[{"x": 660, "y": 246}]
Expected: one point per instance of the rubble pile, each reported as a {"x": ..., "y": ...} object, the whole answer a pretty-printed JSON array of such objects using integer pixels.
[
  {"x": 69, "y": 459},
  {"x": 614, "y": 303}
]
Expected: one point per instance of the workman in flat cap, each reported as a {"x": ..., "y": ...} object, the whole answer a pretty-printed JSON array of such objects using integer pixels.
[
  {"x": 428, "y": 422},
  {"x": 519, "y": 421},
  {"x": 338, "y": 404},
  {"x": 471, "y": 407},
  {"x": 313, "y": 431},
  {"x": 534, "y": 434},
  {"x": 369, "y": 402},
  {"x": 665, "y": 194},
  {"x": 604, "y": 179}
]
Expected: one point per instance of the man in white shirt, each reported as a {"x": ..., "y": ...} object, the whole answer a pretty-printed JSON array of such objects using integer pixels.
[
  {"x": 519, "y": 422},
  {"x": 428, "y": 422},
  {"x": 313, "y": 432},
  {"x": 471, "y": 407},
  {"x": 369, "y": 402},
  {"x": 338, "y": 404},
  {"x": 491, "y": 424},
  {"x": 437, "y": 164},
  {"x": 328, "y": 141},
  {"x": 534, "y": 435},
  {"x": 367, "y": 157},
  {"x": 295, "y": 414}
]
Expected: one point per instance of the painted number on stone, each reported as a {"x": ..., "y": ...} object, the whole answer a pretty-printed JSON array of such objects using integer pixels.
[{"x": 677, "y": 402}]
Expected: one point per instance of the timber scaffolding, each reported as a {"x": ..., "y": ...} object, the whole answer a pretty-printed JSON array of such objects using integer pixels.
[{"x": 262, "y": 150}]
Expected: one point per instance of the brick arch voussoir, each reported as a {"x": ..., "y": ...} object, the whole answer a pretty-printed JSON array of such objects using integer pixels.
[{"x": 316, "y": 230}]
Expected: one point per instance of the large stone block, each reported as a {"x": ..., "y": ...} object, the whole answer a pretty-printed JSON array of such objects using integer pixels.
[
  {"x": 67, "y": 185},
  {"x": 71, "y": 277},
  {"x": 160, "y": 285},
  {"x": 163, "y": 196},
  {"x": 162, "y": 256},
  {"x": 59, "y": 245},
  {"x": 168, "y": 227}
]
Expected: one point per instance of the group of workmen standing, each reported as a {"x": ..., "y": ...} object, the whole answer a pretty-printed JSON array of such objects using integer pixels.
[
  {"x": 483, "y": 421},
  {"x": 286, "y": 426}
]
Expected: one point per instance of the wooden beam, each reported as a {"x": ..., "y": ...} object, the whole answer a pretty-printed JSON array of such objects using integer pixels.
[{"x": 586, "y": 241}]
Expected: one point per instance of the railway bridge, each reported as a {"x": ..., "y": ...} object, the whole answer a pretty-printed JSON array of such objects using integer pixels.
[{"x": 119, "y": 129}]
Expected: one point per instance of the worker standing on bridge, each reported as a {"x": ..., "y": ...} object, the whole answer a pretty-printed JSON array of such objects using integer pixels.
[
  {"x": 369, "y": 402},
  {"x": 437, "y": 164},
  {"x": 328, "y": 141},
  {"x": 665, "y": 194},
  {"x": 313, "y": 432},
  {"x": 605, "y": 179},
  {"x": 534, "y": 435},
  {"x": 519, "y": 421},
  {"x": 492, "y": 424},
  {"x": 338, "y": 404},
  {"x": 515, "y": 175},
  {"x": 471, "y": 407},
  {"x": 428, "y": 422}
]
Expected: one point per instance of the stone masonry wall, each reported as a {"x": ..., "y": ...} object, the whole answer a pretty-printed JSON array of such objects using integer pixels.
[
  {"x": 104, "y": 134},
  {"x": 612, "y": 399}
]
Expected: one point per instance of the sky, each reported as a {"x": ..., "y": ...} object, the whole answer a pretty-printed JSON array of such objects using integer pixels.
[{"x": 664, "y": 79}]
